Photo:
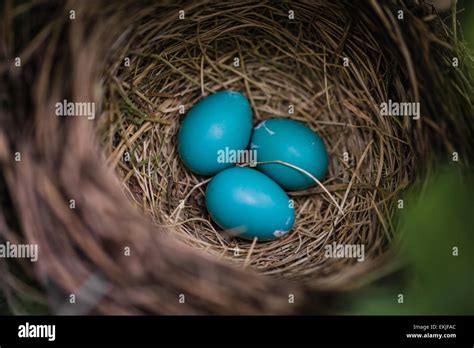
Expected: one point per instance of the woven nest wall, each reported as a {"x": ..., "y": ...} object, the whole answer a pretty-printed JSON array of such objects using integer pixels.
[{"x": 330, "y": 67}]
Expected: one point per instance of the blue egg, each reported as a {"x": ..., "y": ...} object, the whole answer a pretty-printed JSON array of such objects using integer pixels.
[
  {"x": 221, "y": 122},
  {"x": 294, "y": 143},
  {"x": 248, "y": 204}
]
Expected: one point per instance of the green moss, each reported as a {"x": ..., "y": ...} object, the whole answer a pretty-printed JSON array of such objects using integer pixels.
[{"x": 437, "y": 245}]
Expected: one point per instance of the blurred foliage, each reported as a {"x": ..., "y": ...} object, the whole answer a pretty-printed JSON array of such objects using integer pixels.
[
  {"x": 466, "y": 18},
  {"x": 28, "y": 301},
  {"x": 438, "y": 217}
]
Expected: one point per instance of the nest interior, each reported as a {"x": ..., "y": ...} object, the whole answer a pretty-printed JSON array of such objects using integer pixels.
[
  {"x": 313, "y": 67},
  {"x": 334, "y": 63}
]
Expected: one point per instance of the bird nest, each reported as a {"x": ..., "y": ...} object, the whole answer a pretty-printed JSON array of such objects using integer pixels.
[{"x": 315, "y": 71}]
